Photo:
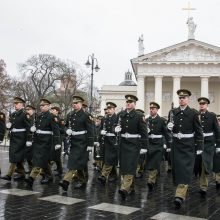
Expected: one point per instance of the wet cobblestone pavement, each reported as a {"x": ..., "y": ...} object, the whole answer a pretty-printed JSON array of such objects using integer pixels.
[{"x": 102, "y": 202}]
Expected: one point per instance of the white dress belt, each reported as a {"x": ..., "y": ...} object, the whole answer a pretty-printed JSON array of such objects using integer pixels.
[
  {"x": 43, "y": 132},
  {"x": 208, "y": 134},
  {"x": 75, "y": 133},
  {"x": 15, "y": 130},
  {"x": 152, "y": 136},
  {"x": 180, "y": 135},
  {"x": 127, "y": 135},
  {"x": 110, "y": 134}
]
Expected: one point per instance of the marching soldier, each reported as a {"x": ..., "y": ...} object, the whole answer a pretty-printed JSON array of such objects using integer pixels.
[
  {"x": 2, "y": 129},
  {"x": 110, "y": 145},
  {"x": 187, "y": 139},
  {"x": 216, "y": 161},
  {"x": 211, "y": 135},
  {"x": 157, "y": 129},
  {"x": 98, "y": 154},
  {"x": 46, "y": 134},
  {"x": 18, "y": 125},
  {"x": 31, "y": 115},
  {"x": 133, "y": 130},
  {"x": 56, "y": 154},
  {"x": 80, "y": 127}
]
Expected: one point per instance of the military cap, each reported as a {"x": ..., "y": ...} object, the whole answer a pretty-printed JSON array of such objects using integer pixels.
[
  {"x": 203, "y": 100},
  {"x": 110, "y": 105},
  {"x": 30, "y": 107},
  {"x": 84, "y": 105},
  {"x": 183, "y": 92},
  {"x": 56, "y": 108},
  {"x": 154, "y": 105},
  {"x": 45, "y": 102},
  {"x": 139, "y": 110},
  {"x": 77, "y": 99},
  {"x": 131, "y": 98},
  {"x": 218, "y": 117},
  {"x": 18, "y": 100}
]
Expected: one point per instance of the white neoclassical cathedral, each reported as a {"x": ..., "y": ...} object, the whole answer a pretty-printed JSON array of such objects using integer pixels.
[{"x": 191, "y": 64}]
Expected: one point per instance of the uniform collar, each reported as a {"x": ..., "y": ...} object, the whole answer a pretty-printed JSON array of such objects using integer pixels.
[
  {"x": 185, "y": 111},
  {"x": 205, "y": 113},
  {"x": 131, "y": 113}
]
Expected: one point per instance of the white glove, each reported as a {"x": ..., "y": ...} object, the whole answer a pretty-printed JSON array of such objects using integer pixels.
[
  {"x": 170, "y": 126},
  {"x": 8, "y": 125},
  {"x": 57, "y": 147},
  {"x": 198, "y": 152},
  {"x": 28, "y": 143},
  {"x": 89, "y": 148},
  {"x": 217, "y": 150},
  {"x": 168, "y": 150},
  {"x": 69, "y": 131},
  {"x": 165, "y": 146},
  {"x": 103, "y": 132},
  {"x": 143, "y": 151},
  {"x": 117, "y": 129},
  {"x": 96, "y": 144}
]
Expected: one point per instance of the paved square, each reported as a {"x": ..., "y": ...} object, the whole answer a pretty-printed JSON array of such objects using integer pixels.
[
  {"x": 120, "y": 209},
  {"x": 18, "y": 192},
  {"x": 170, "y": 216},
  {"x": 62, "y": 199}
]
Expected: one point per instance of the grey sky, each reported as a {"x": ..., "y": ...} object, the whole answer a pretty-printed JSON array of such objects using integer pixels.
[{"x": 73, "y": 29}]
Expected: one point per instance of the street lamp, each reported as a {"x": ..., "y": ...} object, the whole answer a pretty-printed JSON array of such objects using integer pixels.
[{"x": 93, "y": 62}]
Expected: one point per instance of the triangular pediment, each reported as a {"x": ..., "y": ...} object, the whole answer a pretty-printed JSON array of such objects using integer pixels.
[{"x": 187, "y": 51}]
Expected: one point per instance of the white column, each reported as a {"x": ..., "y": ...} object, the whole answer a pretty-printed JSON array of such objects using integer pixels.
[
  {"x": 141, "y": 92},
  {"x": 205, "y": 86},
  {"x": 176, "y": 86},
  {"x": 158, "y": 92},
  {"x": 103, "y": 105}
]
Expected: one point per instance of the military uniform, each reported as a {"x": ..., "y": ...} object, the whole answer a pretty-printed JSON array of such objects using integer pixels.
[
  {"x": 18, "y": 136},
  {"x": 133, "y": 132},
  {"x": 2, "y": 129},
  {"x": 81, "y": 128},
  {"x": 216, "y": 162},
  {"x": 187, "y": 138},
  {"x": 110, "y": 145},
  {"x": 29, "y": 143},
  {"x": 47, "y": 134},
  {"x": 98, "y": 148},
  {"x": 56, "y": 154},
  {"x": 211, "y": 134},
  {"x": 157, "y": 129}
]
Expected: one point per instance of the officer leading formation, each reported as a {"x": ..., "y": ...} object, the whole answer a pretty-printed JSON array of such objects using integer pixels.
[{"x": 188, "y": 139}]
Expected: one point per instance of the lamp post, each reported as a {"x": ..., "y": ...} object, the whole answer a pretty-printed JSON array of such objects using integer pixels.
[{"x": 93, "y": 62}]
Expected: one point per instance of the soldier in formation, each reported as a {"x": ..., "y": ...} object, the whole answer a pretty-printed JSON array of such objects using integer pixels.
[
  {"x": 132, "y": 130},
  {"x": 80, "y": 128},
  {"x": 2, "y": 130},
  {"x": 186, "y": 131},
  {"x": 110, "y": 142},
  {"x": 211, "y": 133},
  {"x": 18, "y": 126},
  {"x": 46, "y": 135},
  {"x": 157, "y": 130}
]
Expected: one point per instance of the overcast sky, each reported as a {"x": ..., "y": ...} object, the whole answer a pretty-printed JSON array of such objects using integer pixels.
[{"x": 74, "y": 29}]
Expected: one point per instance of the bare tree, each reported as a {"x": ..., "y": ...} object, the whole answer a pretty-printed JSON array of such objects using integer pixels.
[
  {"x": 5, "y": 85},
  {"x": 47, "y": 76}
]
